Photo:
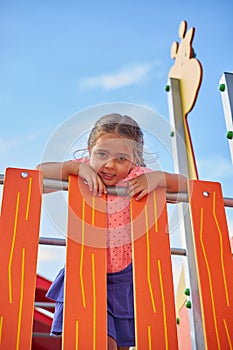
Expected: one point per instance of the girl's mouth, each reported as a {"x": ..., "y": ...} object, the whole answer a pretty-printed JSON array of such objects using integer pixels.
[{"x": 107, "y": 176}]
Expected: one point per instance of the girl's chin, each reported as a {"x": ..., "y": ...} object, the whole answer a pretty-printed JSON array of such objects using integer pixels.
[{"x": 109, "y": 182}]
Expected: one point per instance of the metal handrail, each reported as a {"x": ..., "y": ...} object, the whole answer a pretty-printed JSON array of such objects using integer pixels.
[
  {"x": 61, "y": 185},
  {"x": 62, "y": 242},
  {"x": 44, "y": 304},
  {"x": 45, "y": 335}
]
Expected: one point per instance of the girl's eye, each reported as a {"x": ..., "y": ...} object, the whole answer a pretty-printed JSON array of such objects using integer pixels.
[
  {"x": 102, "y": 155},
  {"x": 122, "y": 158}
]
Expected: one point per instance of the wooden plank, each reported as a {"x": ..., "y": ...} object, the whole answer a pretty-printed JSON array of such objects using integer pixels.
[
  {"x": 214, "y": 261},
  {"x": 85, "y": 325},
  {"x": 153, "y": 284},
  {"x": 19, "y": 236}
]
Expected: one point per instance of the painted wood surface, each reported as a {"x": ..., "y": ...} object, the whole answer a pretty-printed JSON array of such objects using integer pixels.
[
  {"x": 85, "y": 324},
  {"x": 153, "y": 283},
  {"x": 214, "y": 261},
  {"x": 19, "y": 235}
]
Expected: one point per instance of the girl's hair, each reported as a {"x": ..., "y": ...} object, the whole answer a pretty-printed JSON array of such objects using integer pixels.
[{"x": 122, "y": 126}]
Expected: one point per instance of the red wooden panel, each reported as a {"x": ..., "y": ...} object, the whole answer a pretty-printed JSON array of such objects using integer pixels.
[
  {"x": 214, "y": 261},
  {"x": 85, "y": 286},
  {"x": 19, "y": 232},
  {"x": 153, "y": 283}
]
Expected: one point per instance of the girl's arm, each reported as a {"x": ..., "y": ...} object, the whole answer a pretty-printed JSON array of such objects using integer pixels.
[
  {"x": 59, "y": 170},
  {"x": 62, "y": 171},
  {"x": 146, "y": 183}
]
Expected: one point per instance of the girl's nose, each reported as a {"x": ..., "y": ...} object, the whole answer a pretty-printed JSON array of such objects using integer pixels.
[{"x": 110, "y": 163}]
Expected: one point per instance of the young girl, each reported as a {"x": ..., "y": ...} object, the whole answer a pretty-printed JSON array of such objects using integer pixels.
[{"x": 115, "y": 147}]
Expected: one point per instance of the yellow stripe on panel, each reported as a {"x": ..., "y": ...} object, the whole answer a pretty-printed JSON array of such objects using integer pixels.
[
  {"x": 209, "y": 276},
  {"x": 1, "y": 325},
  {"x": 227, "y": 333},
  {"x": 155, "y": 212},
  {"x": 94, "y": 299},
  {"x": 76, "y": 335},
  {"x": 131, "y": 223},
  {"x": 149, "y": 337},
  {"x": 21, "y": 299},
  {"x": 29, "y": 197},
  {"x": 12, "y": 248},
  {"x": 163, "y": 304},
  {"x": 149, "y": 261},
  {"x": 221, "y": 248},
  {"x": 82, "y": 254}
]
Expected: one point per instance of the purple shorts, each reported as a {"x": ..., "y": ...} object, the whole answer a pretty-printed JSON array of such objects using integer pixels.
[{"x": 120, "y": 305}]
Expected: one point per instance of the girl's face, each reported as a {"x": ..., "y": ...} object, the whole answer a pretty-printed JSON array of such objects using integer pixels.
[{"x": 112, "y": 158}]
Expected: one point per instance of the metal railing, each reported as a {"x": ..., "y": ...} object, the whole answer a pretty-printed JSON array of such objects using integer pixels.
[{"x": 61, "y": 185}]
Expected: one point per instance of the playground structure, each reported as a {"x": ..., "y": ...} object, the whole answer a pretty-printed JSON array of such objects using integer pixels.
[{"x": 208, "y": 248}]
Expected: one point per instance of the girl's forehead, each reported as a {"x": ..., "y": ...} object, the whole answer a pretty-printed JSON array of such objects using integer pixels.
[{"x": 114, "y": 142}]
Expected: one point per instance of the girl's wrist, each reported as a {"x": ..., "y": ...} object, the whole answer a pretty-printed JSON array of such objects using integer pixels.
[{"x": 161, "y": 179}]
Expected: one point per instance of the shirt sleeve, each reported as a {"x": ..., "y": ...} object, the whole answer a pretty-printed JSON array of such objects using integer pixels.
[{"x": 135, "y": 172}]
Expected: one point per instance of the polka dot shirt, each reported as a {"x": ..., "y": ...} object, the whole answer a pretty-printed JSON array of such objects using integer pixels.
[{"x": 119, "y": 247}]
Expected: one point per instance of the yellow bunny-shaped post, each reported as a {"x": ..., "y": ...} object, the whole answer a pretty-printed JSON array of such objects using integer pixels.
[
  {"x": 185, "y": 78},
  {"x": 188, "y": 70}
]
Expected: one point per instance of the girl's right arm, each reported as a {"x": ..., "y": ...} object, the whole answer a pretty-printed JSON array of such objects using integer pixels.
[
  {"x": 62, "y": 171},
  {"x": 59, "y": 170}
]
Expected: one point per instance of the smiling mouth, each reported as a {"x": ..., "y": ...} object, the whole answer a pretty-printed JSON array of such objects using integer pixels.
[{"x": 107, "y": 176}]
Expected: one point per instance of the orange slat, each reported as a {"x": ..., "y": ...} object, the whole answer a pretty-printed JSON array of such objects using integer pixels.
[
  {"x": 214, "y": 261},
  {"x": 19, "y": 232},
  {"x": 85, "y": 285},
  {"x": 153, "y": 283}
]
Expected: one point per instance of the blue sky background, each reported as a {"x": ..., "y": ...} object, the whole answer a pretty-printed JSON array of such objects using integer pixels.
[{"x": 61, "y": 57}]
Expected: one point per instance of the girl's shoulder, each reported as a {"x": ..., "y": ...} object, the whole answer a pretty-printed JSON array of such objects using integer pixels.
[
  {"x": 137, "y": 171},
  {"x": 82, "y": 160}
]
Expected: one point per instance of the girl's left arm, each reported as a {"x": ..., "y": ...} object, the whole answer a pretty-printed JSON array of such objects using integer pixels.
[{"x": 148, "y": 182}]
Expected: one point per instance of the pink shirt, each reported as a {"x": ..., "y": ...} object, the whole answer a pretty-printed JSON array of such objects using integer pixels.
[{"x": 119, "y": 246}]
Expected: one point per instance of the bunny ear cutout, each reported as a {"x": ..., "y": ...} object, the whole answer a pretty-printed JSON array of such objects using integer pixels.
[
  {"x": 182, "y": 29},
  {"x": 190, "y": 34},
  {"x": 174, "y": 49}
]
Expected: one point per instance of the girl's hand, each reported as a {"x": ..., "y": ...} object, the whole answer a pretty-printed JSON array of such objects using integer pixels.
[
  {"x": 148, "y": 182},
  {"x": 92, "y": 179},
  {"x": 145, "y": 183}
]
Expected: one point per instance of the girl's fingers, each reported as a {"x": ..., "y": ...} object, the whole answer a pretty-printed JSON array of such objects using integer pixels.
[
  {"x": 89, "y": 183},
  {"x": 135, "y": 188},
  {"x": 97, "y": 186},
  {"x": 132, "y": 191},
  {"x": 141, "y": 195},
  {"x": 101, "y": 187}
]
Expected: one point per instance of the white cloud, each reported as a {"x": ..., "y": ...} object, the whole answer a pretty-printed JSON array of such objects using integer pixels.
[
  {"x": 126, "y": 76},
  {"x": 45, "y": 255},
  {"x": 7, "y": 144}
]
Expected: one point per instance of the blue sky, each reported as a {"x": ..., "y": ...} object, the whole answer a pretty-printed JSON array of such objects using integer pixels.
[{"x": 61, "y": 57}]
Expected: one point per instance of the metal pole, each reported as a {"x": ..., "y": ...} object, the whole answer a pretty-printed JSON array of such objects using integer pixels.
[
  {"x": 62, "y": 243},
  {"x": 44, "y": 304},
  {"x": 226, "y": 88},
  {"x": 44, "y": 335},
  {"x": 61, "y": 185},
  {"x": 181, "y": 164}
]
